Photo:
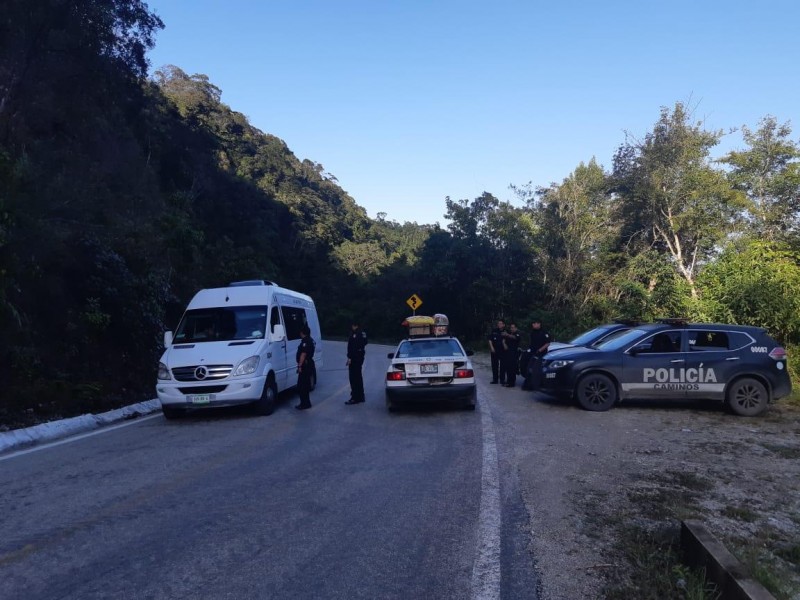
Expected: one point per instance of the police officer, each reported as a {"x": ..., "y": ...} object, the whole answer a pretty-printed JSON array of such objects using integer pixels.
[
  {"x": 508, "y": 363},
  {"x": 540, "y": 341},
  {"x": 496, "y": 349},
  {"x": 355, "y": 360},
  {"x": 305, "y": 366}
]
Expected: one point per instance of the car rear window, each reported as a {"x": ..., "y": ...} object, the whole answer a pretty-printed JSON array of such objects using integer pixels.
[{"x": 429, "y": 348}]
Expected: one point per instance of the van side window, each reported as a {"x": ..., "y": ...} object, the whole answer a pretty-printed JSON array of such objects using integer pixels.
[
  {"x": 293, "y": 318},
  {"x": 274, "y": 319}
]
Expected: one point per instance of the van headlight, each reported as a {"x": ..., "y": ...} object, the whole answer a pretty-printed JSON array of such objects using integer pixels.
[
  {"x": 163, "y": 371},
  {"x": 560, "y": 364},
  {"x": 247, "y": 367}
]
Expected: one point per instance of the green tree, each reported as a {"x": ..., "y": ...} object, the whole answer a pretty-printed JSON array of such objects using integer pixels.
[
  {"x": 755, "y": 282},
  {"x": 672, "y": 199},
  {"x": 576, "y": 225},
  {"x": 769, "y": 173}
]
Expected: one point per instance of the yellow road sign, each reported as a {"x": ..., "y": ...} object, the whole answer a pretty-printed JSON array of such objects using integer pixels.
[{"x": 414, "y": 302}]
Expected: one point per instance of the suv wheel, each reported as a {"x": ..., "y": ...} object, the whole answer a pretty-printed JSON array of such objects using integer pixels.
[
  {"x": 596, "y": 392},
  {"x": 748, "y": 397}
]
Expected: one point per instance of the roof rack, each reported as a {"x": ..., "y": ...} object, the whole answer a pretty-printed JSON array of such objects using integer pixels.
[
  {"x": 249, "y": 282},
  {"x": 424, "y": 326}
]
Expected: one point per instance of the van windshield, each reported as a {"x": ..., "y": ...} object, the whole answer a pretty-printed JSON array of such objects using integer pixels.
[{"x": 222, "y": 324}]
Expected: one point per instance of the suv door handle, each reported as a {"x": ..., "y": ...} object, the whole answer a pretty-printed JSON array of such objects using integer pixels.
[
  {"x": 733, "y": 358},
  {"x": 677, "y": 360}
]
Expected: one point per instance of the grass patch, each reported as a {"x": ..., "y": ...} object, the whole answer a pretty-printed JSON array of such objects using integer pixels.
[
  {"x": 783, "y": 451},
  {"x": 657, "y": 572},
  {"x": 762, "y": 566},
  {"x": 740, "y": 513}
]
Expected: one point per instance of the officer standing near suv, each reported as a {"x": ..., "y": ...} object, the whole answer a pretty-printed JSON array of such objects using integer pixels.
[
  {"x": 356, "y": 344},
  {"x": 540, "y": 341},
  {"x": 496, "y": 350},
  {"x": 510, "y": 360}
]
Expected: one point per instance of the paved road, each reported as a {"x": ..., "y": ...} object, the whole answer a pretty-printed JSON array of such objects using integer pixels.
[{"x": 336, "y": 502}]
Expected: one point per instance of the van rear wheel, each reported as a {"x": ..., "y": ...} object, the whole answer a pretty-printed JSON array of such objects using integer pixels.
[
  {"x": 266, "y": 404},
  {"x": 313, "y": 376}
]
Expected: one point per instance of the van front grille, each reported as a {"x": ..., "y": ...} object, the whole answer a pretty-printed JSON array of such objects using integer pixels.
[{"x": 202, "y": 372}]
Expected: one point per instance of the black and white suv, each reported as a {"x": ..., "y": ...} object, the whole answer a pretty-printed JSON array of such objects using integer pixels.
[{"x": 673, "y": 359}]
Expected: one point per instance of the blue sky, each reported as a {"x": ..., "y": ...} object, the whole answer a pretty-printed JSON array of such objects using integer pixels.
[{"x": 408, "y": 102}]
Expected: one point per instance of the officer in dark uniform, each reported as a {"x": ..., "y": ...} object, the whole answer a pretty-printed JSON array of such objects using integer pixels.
[
  {"x": 305, "y": 362},
  {"x": 508, "y": 364},
  {"x": 496, "y": 349},
  {"x": 540, "y": 341},
  {"x": 355, "y": 360}
]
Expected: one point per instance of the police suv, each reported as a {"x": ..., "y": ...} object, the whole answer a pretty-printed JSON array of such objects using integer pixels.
[{"x": 673, "y": 359}]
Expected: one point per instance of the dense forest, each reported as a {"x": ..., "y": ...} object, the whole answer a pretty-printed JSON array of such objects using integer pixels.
[{"x": 123, "y": 193}]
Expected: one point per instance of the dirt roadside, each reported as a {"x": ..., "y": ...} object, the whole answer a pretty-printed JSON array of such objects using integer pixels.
[{"x": 603, "y": 490}]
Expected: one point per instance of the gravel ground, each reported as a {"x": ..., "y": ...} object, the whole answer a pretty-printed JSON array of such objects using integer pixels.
[{"x": 587, "y": 477}]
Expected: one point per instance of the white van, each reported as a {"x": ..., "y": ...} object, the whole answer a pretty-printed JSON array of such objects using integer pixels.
[{"x": 236, "y": 345}]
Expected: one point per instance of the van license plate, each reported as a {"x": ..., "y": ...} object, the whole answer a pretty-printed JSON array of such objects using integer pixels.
[
  {"x": 429, "y": 369},
  {"x": 199, "y": 398}
]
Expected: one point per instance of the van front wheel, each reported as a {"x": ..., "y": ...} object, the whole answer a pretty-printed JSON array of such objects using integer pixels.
[{"x": 266, "y": 404}]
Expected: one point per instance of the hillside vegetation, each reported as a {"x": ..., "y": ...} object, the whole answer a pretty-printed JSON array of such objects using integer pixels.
[{"x": 121, "y": 195}]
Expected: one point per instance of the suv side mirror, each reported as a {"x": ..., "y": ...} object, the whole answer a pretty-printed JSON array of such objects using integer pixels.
[
  {"x": 278, "y": 334},
  {"x": 167, "y": 339}
]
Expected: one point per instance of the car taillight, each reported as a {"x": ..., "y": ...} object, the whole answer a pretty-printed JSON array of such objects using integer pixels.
[
  {"x": 464, "y": 373},
  {"x": 778, "y": 353},
  {"x": 395, "y": 376}
]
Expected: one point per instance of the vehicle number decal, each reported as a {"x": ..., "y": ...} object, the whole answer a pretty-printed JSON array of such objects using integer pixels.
[{"x": 758, "y": 349}]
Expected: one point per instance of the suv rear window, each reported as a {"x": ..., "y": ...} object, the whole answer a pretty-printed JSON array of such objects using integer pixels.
[{"x": 715, "y": 341}]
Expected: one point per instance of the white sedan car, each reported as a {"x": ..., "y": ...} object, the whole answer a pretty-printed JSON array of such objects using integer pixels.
[{"x": 430, "y": 369}]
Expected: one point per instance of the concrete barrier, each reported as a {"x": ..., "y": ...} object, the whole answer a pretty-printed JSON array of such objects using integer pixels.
[{"x": 703, "y": 550}]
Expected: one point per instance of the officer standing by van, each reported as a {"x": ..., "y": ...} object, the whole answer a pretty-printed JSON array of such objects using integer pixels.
[
  {"x": 305, "y": 366},
  {"x": 540, "y": 342},
  {"x": 356, "y": 344},
  {"x": 496, "y": 350}
]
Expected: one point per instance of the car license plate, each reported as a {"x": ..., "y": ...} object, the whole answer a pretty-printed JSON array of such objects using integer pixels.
[
  {"x": 550, "y": 376},
  {"x": 428, "y": 369},
  {"x": 199, "y": 398}
]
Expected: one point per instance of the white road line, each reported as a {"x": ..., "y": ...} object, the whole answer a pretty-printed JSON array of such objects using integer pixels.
[
  {"x": 75, "y": 438},
  {"x": 486, "y": 570}
]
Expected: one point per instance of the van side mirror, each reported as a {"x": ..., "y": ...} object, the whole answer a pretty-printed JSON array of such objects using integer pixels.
[
  {"x": 278, "y": 334},
  {"x": 167, "y": 339}
]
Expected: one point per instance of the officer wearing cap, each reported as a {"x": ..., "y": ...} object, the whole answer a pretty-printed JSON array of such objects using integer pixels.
[
  {"x": 509, "y": 360},
  {"x": 496, "y": 349},
  {"x": 540, "y": 342},
  {"x": 356, "y": 342}
]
